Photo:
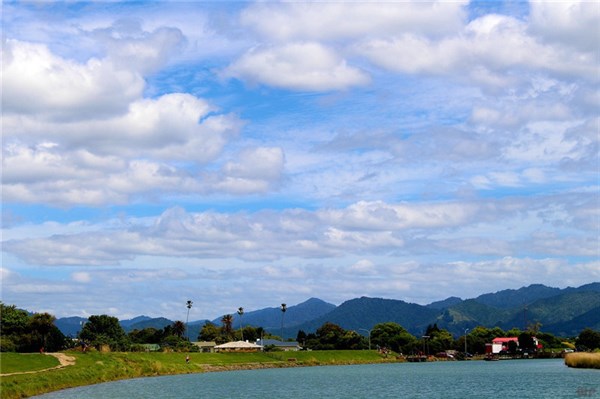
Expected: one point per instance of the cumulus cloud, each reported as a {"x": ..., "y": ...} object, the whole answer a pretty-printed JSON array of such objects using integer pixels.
[
  {"x": 364, "y": 227},
  {"x": 572, "y": 24},
  {"x": 39, "y": 83},
  {"x": 129, "y": 47},
  {"x": 488, "y": 49},
  {"x": 298, "y": 66},
  {"x": 346, "y": 20}
]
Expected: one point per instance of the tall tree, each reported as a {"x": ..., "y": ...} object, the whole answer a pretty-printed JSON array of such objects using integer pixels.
[
  {"x": 41, "y": 324},
  {"x": 283, "y": 310},
  {"x": 178, "y": 328},
  {"x": 227, "y": 321},
  {"x": 104, "y": 330},
  {"x": 240, "y": 312},
  {"x": 187, "y": 317},
  {"x": 588, "y": 339}
]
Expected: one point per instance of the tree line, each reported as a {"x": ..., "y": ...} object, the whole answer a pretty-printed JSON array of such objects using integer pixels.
[{"x": 21, "y": 331}]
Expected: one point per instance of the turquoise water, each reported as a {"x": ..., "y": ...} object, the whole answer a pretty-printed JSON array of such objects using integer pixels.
[{"x": 476, "y": 379}]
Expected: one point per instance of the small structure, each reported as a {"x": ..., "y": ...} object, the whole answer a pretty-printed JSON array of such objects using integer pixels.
[
  {"x": 289, "y": 346},
  {"x": 238, "y": 346},
  {"x": 150, "y": 347},
  {"x": 501, "y": 344},
  {"x": 205, "y": 346}
]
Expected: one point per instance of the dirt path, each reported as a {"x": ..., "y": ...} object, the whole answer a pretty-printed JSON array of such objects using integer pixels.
[{"x": 62, "y": 358}]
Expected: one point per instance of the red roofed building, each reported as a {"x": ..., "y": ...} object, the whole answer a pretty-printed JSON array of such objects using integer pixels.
[{"x": 501, "y": 344}]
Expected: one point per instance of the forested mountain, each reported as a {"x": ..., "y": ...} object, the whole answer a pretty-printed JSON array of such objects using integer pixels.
[
  {"x": 364, "y": 313},
  {"x": 508, "y": 299},
  {"x": 70, "y": 326},
  {"x": 270, "y": 318},
  {"x": 145, "y": 322},
  {"x": 563, "y": 312}
]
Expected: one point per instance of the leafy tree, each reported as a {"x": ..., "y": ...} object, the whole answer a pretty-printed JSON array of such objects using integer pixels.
[
  {"x": 588, "y": 339},
  {"x": 104, "y": 330},
  {"x": 352, "y": 340},
  {"x": 209, "y": 332},
  {"x": 45, "y": 334},
  {"x": 250, "y": 333},
  {"x": 301, "y": 337},
  {"x": 440, "y": 340},
  {"x": 13, "y": 320},
  {"x": 548, "y": 340},
  {"x": 392, "y": 335},
  {"x": 526, "y": 342},
  {"x": 329, "y": 336},
  {"x": 149, "y": 335},
  {"x": 13, "y": 327},
  {"x": 22, "y": 332}
]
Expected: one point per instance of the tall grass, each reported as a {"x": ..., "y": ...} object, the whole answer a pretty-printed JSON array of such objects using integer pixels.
[{"x": 583, "y": 360}]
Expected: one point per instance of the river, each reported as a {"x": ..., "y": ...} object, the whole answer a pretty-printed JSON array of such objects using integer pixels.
[{"x": 472, "y": 379}]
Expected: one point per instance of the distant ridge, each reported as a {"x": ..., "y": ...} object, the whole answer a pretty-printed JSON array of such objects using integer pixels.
[
  {"x": 563, "y": 312},
  {"x": 446, "y": 303}
]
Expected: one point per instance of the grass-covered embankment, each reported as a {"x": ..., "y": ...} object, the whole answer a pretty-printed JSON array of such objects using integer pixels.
[
  {"x": 95, "y": 367},
  {"x": 583, "y": 360},
  {"x": 25, "y": 362}
]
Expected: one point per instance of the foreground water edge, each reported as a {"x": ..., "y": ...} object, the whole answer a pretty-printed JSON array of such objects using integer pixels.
[{"x": 474, "y": 379}]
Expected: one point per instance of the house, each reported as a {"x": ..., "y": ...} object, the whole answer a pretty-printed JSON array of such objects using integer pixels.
[
  {"x": 238, "y": 346},
  {"x": 501, "y": 344},
  {"x": 205, "y": 346},
  {"x": 286, "y": 346},
  {"x": 150, "y": 347}
]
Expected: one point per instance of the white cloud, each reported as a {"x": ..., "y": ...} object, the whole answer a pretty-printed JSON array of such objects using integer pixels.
[
  {"x": 343, "y": 20},
  {"x": 254, "y": 170},
  {"x": 487, "y": 50},
  {"x": 573, "y": 23},
  {"x": 38, "y": 83},
  {"x": 364, "y": 227},
  {"x": 297, "y": 66},
  {"x": 130, "y": 48},
  {"x": 81, "y": 277}
]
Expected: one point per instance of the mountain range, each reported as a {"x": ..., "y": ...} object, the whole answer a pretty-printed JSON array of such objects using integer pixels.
[{"x": 562, "y": 312}]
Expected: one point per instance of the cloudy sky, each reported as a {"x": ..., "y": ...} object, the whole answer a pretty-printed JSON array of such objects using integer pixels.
[{"x": 249, "y": 154}]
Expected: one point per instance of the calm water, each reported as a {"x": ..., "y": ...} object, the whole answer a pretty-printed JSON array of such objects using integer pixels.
[{"x": 477, "y": 379}]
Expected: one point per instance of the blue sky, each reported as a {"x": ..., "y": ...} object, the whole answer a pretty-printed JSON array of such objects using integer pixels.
[{"x": 249, "y": 154}]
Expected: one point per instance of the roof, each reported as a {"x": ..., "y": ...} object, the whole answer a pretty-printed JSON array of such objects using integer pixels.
[
  {"x": 278, "y": 343},
  {"x": 237, "y": 344},
  {"x": 504, "y": 340},
  {"x": 205, "y": 344}
]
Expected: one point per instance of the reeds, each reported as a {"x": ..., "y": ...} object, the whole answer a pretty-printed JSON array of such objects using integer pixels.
[{"x": 583, "y": 360}]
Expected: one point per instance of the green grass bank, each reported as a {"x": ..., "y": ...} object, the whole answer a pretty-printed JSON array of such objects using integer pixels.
[{"x": 95, "y": 367}]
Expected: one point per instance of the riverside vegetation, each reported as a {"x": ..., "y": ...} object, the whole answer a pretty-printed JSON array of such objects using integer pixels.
[{"x": 583, "y": 360}]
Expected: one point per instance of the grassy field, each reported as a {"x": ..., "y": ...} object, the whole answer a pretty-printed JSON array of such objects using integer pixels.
[
  {"x": 20, "y": 362},
  {"x": 583, "y": 360},
  {"x": 96, "y": 367}
]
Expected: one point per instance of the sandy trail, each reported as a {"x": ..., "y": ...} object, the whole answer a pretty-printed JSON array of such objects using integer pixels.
[{"x": 64, "y": 360}]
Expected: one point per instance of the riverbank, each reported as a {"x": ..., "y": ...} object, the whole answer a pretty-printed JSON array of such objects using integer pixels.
[
  {"x": 583, "y": 360},
  {"x": 95, "y": 367}
]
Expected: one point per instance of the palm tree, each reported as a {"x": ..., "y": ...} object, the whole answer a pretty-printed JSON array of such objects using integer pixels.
[
  {"x": 189, "y": 306},
  {"x": 178, "y": 328},
  {"x": 241, "y": 313},
  {"x": 283, "y": 309}
]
